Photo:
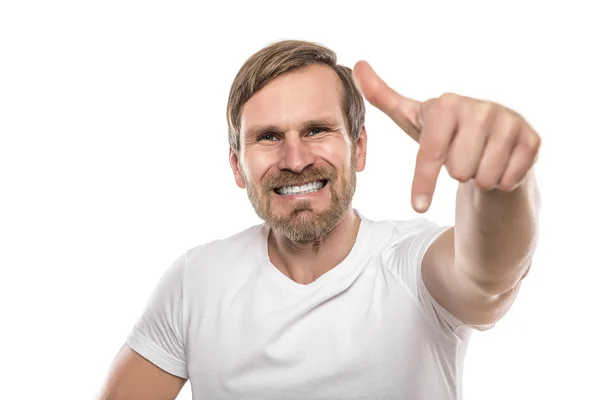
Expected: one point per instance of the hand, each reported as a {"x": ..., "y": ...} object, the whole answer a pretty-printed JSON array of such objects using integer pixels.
[{"x": 475, "y": 139}]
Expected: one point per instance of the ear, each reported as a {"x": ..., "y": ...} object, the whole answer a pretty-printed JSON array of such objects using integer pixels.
[
  {"x": 235, "y": 167},
  {"x": 361, "y": 150}
]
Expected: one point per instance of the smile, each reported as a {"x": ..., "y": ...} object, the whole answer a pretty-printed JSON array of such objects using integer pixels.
[{"x": 301, "y": 189}]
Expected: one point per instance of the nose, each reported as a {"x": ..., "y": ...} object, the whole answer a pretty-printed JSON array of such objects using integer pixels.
[{"x": 297, "y": 154}]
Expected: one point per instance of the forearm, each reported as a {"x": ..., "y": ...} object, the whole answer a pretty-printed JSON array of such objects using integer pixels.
[{"x": 495, "y": 234}]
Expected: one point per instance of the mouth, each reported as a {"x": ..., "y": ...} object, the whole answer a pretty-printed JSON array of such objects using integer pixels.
[{"x": 309, "y": 187}]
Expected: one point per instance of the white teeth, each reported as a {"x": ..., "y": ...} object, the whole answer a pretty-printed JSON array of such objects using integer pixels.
[{"x": 307, "y": 188}]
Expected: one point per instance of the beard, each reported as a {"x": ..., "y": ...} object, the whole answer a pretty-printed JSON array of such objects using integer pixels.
[{"x": 305, "y": 224}]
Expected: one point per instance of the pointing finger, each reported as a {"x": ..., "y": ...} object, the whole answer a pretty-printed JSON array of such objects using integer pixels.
[{"x": 435, "y": 140}]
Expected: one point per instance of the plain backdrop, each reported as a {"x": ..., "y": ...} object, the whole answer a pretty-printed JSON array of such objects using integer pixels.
[{"x": 113, "y": 162}]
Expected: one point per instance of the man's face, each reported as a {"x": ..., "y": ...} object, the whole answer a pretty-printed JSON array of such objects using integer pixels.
[{"x": 296, "y": 158}]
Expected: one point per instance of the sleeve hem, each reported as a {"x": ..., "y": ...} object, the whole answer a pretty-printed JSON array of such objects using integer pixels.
[{"x": 150, "y": 352}]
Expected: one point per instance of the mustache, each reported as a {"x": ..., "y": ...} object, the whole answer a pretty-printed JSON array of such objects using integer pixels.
[{"x": 290, "y": 178}]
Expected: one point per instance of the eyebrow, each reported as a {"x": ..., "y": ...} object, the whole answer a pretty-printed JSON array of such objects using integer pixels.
[{"x": 310, "y": 124}]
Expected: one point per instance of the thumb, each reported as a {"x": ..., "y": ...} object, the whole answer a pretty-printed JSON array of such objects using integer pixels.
[{"x": 403, "y": 111}]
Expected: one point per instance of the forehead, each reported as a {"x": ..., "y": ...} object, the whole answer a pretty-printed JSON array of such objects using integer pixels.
[{"x": 313, "y": 92}]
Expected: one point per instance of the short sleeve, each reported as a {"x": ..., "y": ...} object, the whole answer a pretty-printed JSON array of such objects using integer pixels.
[
  {"x": 158, "y": 334},
  {"x": 410, "y": 241}
]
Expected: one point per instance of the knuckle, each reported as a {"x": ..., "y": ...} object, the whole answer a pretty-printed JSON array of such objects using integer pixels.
[
  {"x": 433, "y": 153},
  {"x": 511, "y": 130},
  {"x": 485, "y": 182},
  {"x": 506, "y": 185},
  {"x": 533, "y": 142},
  {"x": 448, "y": 99},
  {"x": 485, "y": 111},
  {"x": 457, "y": 172}
]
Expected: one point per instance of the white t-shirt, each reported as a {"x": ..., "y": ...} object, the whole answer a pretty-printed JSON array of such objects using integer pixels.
[{"x": 229, "y": 321}]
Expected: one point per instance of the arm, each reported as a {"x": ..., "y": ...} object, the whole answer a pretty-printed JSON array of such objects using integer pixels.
[
  {"x": 475, "y": 269},
  {"x": 152, "y": 364},
  {"x": 133, "y": 377}
]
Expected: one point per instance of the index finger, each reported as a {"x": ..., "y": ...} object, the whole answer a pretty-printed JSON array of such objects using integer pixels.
[
  {"x": 435, "y": 140},
  {"x": 402, "y": 110}
]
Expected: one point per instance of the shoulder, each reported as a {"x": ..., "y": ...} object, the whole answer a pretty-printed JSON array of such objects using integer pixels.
[
  {"x": 401, "y": 241},
  {"x": 228, "y": 246},
  {"x": 395, "y": 230},
  {"x": 221, "y": 258}
]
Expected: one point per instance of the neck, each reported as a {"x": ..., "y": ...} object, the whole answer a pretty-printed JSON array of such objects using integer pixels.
[{"x": 305, "y": 262}]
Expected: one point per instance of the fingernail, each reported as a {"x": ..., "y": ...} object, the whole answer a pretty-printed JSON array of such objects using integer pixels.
[{"x": 421, "y": 202}]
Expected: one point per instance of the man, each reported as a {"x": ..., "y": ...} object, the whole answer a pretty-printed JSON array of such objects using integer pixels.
[{"x": 320, "y": 302}]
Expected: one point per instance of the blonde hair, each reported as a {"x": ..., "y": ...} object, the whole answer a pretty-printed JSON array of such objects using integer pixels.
[{"x": 277, "y": 59}]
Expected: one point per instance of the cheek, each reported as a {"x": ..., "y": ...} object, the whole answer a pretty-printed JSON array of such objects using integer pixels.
[
  {"x": 257, "y": 165},
  {"x": 338, "y": 153}
]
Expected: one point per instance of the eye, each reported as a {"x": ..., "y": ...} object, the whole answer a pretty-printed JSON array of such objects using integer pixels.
[
  {"x": 315, "y": 131},
  {"x": 268, "y": 137}
]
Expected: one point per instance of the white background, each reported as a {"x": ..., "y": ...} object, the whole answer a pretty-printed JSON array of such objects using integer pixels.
[{"x": 113, "y": 161}]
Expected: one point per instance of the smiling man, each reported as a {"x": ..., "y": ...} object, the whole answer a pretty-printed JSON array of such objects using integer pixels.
[{"x": 320, "y": 302}]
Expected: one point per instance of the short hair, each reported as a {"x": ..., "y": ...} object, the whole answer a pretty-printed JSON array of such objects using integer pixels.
[{"x": 279, "y": 58}]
